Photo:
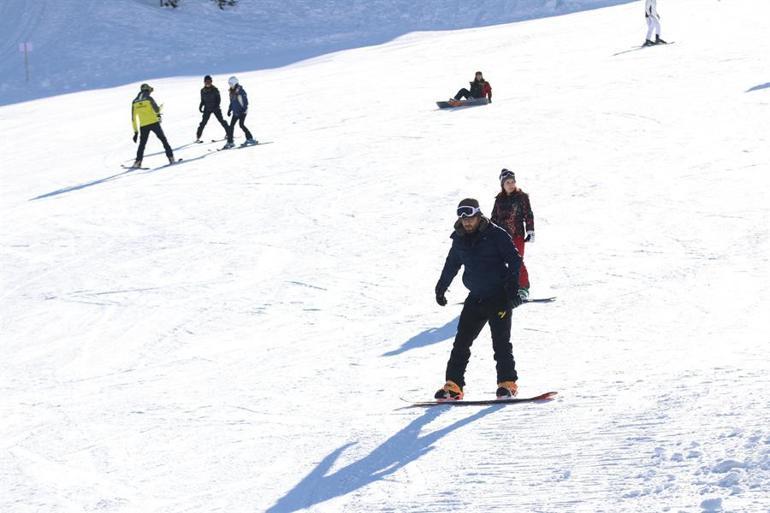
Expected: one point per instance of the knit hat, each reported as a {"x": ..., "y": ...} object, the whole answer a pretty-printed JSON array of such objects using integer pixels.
[
  {"x": 145, "y": 87},
  {"x": 207, "y": 78},
  {"x": 468, "y": 207},
  {"x": 505, "y": 174}
]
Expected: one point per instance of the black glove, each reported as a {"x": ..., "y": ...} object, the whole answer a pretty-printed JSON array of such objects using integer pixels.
[
  {"x": 515, "y": 301},
  {"x": 229, "y": 112},
  {"x": 440, "y": 298},
  {"x": 135, "y": 133}
]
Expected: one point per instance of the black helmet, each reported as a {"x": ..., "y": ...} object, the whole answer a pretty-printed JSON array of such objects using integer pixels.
[{"x": 145, "y": 88}]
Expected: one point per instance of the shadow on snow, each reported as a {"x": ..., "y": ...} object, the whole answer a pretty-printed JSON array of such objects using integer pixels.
[
  {"x": 758, "y": 87},
  {"x": 113, "y": 177},
  {"x": 395, "y": 453},
  {"x": 428, "y": 337}
]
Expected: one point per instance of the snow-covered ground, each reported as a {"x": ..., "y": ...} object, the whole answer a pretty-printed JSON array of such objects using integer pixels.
[
  {"x": 234, "y": 333},
  {"x": 87, "y": 44}
]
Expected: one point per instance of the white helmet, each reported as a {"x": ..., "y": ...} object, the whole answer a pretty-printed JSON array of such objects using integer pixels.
[{"x": 232, "y": 81}]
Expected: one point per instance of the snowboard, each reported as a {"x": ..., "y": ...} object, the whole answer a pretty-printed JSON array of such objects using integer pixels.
[
  {"x": 540, "y": 300},
  {"x": 451, "y": 104},
  {"x": 483, "y": 402},
  {"x": 529, "y": 300}
]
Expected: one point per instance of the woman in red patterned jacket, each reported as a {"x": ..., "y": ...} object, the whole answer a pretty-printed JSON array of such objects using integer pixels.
[{"x": 513, "y": 212}]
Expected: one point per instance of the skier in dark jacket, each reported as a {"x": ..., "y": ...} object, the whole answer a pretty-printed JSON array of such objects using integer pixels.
[
  {"x": 480, "y": 88},
  {"x": 211, "y": 103},
  {"x": 513, "y": 212},
  {"x": 491, "y": 275},
  {"x": 239, "y": 107},
  {"x": 147, "y": 113}
]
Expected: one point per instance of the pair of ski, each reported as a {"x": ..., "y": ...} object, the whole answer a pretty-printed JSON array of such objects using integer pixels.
[
  {"x": 132, "y": 168},
  {"x": 548, "y": 396},
  {"x": 642, "y": 47},
  {"x": 242, "y": 146}
]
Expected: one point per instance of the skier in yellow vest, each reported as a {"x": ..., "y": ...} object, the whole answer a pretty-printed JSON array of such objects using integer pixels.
[{"x": 146, "y": 111}]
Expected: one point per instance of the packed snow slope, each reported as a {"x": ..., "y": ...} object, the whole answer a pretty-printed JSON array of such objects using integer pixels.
[
  {"x": 87, "y": 44},
  {"x": 234, "y": 333}
]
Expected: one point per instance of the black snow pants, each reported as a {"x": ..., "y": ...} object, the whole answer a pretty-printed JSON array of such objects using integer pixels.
[
  {"x": 475, "y": 314},
  {"x": 206, "y": 115},
  {"x": 144, "y": 133},
  {"x": 240, "y": 119},
  {"x": 463, "y": 93}
]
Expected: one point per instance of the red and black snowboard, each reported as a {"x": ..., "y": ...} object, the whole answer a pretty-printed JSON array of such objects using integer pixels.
[
  {"x": 483, "y": 402},
  {"x": 471, "y": 102}
]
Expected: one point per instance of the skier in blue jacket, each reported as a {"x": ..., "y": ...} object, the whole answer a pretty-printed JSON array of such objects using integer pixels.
[{"x": 239, "y": 107}]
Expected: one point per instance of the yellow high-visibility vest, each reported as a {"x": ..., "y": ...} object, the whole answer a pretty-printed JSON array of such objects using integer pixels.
[{"x": 145, "y": 110}]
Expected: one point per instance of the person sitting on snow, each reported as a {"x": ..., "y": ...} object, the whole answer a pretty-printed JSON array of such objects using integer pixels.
[{"x": 480, "y": 88}]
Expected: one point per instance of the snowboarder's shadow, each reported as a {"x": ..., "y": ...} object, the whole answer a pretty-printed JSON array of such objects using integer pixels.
[
  {"x": 758, "y": 87},
  {"x": 395, "y": 453},
  {"x": 428, "y": 337}
]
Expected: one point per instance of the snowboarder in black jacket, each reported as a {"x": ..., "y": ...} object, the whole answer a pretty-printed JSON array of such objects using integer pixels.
[
  {"x": 211, "y": 103},
  {"x": 492, "y": 275}
]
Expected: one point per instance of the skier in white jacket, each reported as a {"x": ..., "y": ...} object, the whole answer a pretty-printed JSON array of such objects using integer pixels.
[{"x": 653, "y": 23}]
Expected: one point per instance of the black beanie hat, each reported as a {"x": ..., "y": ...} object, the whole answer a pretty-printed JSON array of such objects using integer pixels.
[
  {"x": 207, "y": 78},
  {"x": 469, "y": 202},
  {"x": 505, "y": 174}
]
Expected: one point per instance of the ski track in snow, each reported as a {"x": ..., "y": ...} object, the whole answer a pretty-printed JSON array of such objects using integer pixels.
[{"x": 233, "y": 334}]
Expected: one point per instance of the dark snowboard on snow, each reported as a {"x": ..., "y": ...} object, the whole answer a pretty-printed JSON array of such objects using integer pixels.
[
  {"x": 451, "y": 104},
  {"x": 483, "y": 402},
  {"x": 529, "y": 300}
]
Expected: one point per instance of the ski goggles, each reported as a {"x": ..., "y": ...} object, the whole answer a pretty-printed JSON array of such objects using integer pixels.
[
  {"x": 468, "y": 211},
  {"x": 506, "y": 174}
]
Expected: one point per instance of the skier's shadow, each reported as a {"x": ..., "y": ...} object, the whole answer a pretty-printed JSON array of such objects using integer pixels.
[
  {"x": 114, "y": 177},
  {"x": 428, "y": 337},
  {"x": 758, "y": 87},
  {"x": 80, "y": 186},
  {"x": 395, "y": 453}
]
